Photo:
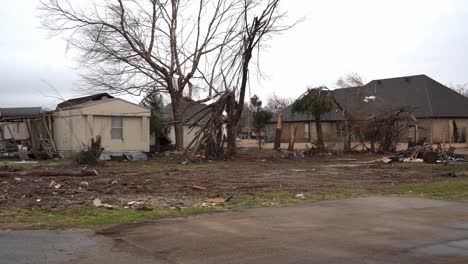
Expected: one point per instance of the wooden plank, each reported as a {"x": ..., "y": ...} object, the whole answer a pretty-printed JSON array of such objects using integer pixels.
[{"x": 49, "y": 133}]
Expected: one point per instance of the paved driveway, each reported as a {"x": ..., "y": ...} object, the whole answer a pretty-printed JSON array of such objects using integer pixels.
[{"x": 360, "y": 230}]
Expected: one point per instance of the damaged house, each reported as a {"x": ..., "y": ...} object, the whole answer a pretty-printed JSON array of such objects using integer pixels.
[
  {"x": 27, "y": 132},
  {"x": 439, "y": 114},
  {"x": 123, "y": 127},
  {"x": 191, "y": 111}
]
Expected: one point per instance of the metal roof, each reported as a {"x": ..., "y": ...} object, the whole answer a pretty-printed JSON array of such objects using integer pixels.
[{"x": 18, "y": 112}]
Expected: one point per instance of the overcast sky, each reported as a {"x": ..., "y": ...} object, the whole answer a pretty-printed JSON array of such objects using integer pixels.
[{"x": 375, "y": 38}]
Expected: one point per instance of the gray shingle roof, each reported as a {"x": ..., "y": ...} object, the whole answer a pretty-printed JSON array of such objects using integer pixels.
[
  {"x": 191, "y": 111},
  {"x": 85, "y": 99},
  {"x": 428, "y": 97}
]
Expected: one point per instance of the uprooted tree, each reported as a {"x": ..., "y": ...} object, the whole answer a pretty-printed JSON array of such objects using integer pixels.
[
  {"x": 316, "y": 101},
  {"x": 384, "y": 129},
  {"x": 135, "y": 47},
  {"x": 258, "y": 21}
]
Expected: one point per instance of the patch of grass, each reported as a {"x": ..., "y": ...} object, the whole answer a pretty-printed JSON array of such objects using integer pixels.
[
  {"x": 62, "y": 163},
  {"x": 87, "y": 217},
  {"x": 438, "y": 167},
  {"x": 447, "y": 190},
  {"x": 90, "y": 216}
]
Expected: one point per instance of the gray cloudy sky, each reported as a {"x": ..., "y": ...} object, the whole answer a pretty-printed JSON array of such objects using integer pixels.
[{"x": 375, "y": 38}]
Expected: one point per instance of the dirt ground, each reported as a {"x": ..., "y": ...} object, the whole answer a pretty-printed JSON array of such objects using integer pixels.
[{"x": 160, "y": 182}]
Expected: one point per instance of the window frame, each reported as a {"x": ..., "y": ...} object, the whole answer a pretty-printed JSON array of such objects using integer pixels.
[
  {"x": 113, "y": 128},
  {"x": 306, "y": 131},
  {"x": 340, "y": 129}
]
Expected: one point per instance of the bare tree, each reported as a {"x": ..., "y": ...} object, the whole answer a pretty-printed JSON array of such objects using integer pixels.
[
  {"x": 460, "y": 88},
  {"x": 259, "y": 21},
  {"x": 350, "y": 80},
  {"x": 132, "y": 47},
  {"x": 276, "y": 104}
]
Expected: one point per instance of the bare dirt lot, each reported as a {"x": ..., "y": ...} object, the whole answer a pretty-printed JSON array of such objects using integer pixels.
[{"x": 255, "y": 179}]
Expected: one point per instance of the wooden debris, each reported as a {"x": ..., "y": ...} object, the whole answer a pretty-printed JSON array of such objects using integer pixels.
[
  {"x": 215, "y": 200},
  {"x": 50, "y": 173},
  {"x": 196, "y": 187}
]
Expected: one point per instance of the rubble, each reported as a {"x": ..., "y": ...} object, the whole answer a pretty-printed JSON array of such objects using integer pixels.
[
  {"x": 174, "y": 205},
  {"x": 300, "y": 196},
  {"x": 55, "y": 185},
  {"x": 196, "y": 187},
  {"x": 49, "y": 172},
  {"x": 138, "y": 205},
  {"x": 98, "y": 203},
  {"x": 292, "y": 154},
  {"x": 424, "y": 154}
]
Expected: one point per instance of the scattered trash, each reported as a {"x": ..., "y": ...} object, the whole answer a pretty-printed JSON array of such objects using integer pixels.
[
  {"x": 387, "y": 161},
  {"x": 420, "y": 152},
  {"x": 392, "y": 184},
  {"x": 300, "y": 196},
  {"x": 297, "y": 170},
  {"x": 215, "y": 200},
  {"x": 139, "y": 205},
  {"x": 174, "y": 205},
  {"x": 37, "y": 180},
  {"x": 230, "y": 197},
  {"x": 54, "y": 184},
  {"x": 114, "y": 182},
  {"x": 292, "y": 154},
  {"x": 453, "y": 175},
  {"x": 84, "y": 185},
  {"x": 98, "y": 203},
  {"x": 196, "y": 187},
  {"x": 412, "y": 160},
  {"x": 185, "y": 162},
  {"x": 200, "y": 156},
  {"x": 38, "y": 200},
  {"x": 19, "y": 180}
]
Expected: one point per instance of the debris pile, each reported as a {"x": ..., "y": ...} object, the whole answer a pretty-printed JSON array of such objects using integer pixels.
[{"x": 425, "y": 154}]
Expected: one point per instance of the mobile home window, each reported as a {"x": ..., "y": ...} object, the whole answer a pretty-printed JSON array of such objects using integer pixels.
[
  {"x": 117, "y": 127},
  {"x": 306, "y": 130}
]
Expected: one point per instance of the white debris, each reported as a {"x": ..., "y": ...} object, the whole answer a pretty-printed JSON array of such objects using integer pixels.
[
  {"x": 98, "y": 203},
  {"x": 300, "y": 196},
  {"x": 367, "y": 99}
]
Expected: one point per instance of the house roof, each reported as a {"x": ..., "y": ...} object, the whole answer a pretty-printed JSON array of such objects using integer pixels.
[
  {"x": 191, "y": 111},
  {"x": 18, "y": 112},
  {"x": 426, "y": 96},
  {"x": 82, "y": 100}
]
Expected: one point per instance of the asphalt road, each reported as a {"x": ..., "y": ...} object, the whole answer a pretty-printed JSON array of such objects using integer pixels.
[{"x": 360, "y": 230}]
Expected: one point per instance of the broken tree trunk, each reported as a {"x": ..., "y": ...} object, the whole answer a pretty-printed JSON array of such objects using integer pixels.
[
  {"x": 292, "y": 140},
  {"x": 279, "y": 131},
  {"x": 45, "y": 173}
]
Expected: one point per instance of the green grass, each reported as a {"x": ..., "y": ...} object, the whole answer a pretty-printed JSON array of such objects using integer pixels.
[
  {"x": 87, "y": 217},
  {"x": 43, "y": 163},
  {"x": 451, "y": 189},
  {"x": 90, "y": 217},
  {"x": 446, "y": 190}
]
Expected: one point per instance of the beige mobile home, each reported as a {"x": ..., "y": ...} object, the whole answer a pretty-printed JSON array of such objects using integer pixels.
[{"x": 123, "y": 126}]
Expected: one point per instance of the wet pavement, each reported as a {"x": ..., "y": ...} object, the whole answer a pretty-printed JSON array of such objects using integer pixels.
[{"x": 359, "y": 230}]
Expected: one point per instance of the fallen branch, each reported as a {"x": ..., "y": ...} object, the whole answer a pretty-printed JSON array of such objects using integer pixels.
[{"x": 46, "y": 173}]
